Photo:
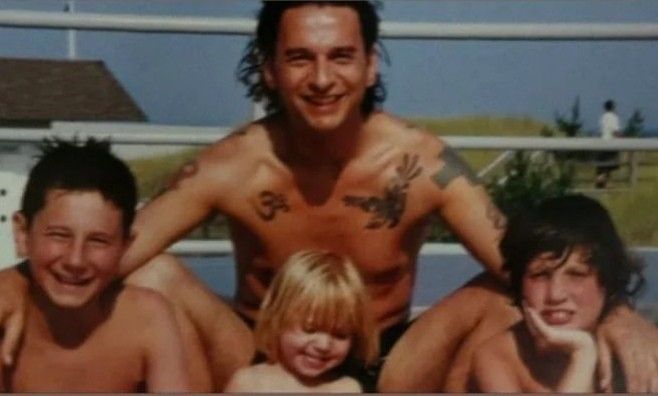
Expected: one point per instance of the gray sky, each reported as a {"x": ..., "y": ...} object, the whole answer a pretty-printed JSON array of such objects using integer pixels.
[{"x": 190, "y": 79}]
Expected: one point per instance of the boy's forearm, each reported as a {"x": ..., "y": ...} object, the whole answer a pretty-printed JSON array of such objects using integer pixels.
[{"x": 579, "y": 375}]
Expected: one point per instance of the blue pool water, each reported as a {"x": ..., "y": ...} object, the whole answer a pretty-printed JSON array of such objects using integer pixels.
[{"x": 437, "y": 275}]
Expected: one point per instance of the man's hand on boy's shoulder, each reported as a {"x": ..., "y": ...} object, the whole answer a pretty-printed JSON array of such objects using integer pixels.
[
  {"x": 634, "y": 341},
  {"x": 13, "y": 301}
]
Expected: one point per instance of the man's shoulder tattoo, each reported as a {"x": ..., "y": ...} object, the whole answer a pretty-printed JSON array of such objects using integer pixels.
[
  {"x": 271, "y": 203},
  {"x": 388, "y": 208},
  {"x": 453, "y": 167}
]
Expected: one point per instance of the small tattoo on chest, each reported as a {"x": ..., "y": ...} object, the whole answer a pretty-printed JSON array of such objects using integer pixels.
[
  {"x": 270, "y": 203},
  {"x": 387, "y": 209}
]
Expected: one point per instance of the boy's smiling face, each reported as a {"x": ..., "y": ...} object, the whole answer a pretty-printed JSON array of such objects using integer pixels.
[{"x": 74, "y": 245}]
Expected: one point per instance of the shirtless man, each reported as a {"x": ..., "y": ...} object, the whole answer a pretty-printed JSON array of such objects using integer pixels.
[
  {"x": 84, "y": 331},
  {"x": 325, "y": 170}
]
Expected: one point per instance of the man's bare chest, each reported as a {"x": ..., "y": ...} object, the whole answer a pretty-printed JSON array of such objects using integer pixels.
[{"x": 379, "y": 213}]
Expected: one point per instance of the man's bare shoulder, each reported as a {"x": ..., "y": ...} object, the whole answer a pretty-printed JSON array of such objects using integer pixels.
[
  {"x": 242, "y": 146},
  {"x": 405, "y": 132},
  {"x": 227, "y": 162}
]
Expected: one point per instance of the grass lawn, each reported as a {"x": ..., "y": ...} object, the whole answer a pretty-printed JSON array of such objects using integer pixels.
[{"x": 631, "y": 207}]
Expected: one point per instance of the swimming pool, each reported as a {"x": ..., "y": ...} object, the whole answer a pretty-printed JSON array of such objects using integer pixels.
[{"x": 437, "y": 275}]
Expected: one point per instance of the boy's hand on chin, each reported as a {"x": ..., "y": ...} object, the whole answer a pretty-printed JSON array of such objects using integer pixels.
[{"x": 552, "y": 338}]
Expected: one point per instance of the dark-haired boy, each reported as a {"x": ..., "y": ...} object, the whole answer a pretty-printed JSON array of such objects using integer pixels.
[
  {"x": 568, "y": 269},
  {"x": 85, "y": 332}
]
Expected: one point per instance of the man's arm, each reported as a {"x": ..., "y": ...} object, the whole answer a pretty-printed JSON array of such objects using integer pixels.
[
  {"x": 165, "y": 359},
  {"x": 467, "y": 210},
  {"x": 187, "y": 201}
]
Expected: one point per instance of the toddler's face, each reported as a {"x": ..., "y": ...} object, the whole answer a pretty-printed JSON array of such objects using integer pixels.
[
  {"x": 568, "y": 295},
  {"x": 310, "y": 352}
]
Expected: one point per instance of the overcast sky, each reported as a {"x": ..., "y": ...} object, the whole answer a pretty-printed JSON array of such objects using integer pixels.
[{"x": 189, "y": 79}]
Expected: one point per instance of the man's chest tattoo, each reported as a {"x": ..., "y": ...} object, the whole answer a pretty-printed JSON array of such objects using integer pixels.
[
  {"x": 453, "y": 167},
  {"x": 269, "y": 204},
  {"x": 387, "y": 209}
]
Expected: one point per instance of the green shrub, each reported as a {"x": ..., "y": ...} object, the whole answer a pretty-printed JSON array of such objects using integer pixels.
[{"x": 527, "y": 181}]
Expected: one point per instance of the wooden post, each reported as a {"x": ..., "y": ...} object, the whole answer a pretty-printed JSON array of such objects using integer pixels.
[{"x": 633, "y": 164}]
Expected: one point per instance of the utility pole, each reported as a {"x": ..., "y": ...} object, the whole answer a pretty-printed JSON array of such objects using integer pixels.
[{"x": 71, "y": 33}]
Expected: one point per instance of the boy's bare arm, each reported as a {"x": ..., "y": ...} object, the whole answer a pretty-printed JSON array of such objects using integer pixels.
[
  {"x": 166, "y": 370},
  {"x": 13, "y": 300}
]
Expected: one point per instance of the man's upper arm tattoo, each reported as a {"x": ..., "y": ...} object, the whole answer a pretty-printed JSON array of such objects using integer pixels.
[
  {"x": 453, "y": 167},
  {"x": 186, "y": 171},
  {"x": 389, "y": 208},
  {"x": 270, "y": 204}
]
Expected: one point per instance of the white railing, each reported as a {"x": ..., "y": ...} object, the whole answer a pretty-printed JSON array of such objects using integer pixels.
[
  {"x": 390, "y": 30},
  {"x": 224, "y": 247},
  {"x": 172, "y": 135}
]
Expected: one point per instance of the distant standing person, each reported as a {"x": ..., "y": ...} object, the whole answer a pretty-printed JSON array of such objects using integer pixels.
[{"x": 607, "y": 161}]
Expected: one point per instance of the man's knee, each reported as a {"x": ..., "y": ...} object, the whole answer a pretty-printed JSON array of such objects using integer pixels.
[{"x": 163, "y": 273}]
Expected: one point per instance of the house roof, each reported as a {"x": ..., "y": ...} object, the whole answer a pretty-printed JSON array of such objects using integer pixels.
[{"x": 62, "y": 90}]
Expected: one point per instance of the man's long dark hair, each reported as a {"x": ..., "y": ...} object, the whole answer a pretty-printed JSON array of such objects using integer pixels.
[{"x": 261, "y": 48}]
